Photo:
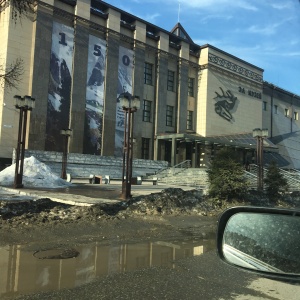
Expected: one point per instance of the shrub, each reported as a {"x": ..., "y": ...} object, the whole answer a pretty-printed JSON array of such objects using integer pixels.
[
  {"x": 226, "y": 176},
  {"x": 275, "y": 182}
]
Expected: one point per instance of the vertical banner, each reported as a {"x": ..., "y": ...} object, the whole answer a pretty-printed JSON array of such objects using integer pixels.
[
  {"x": 94, "y": 96},
  {"x": 59, "y": 90},
  {"x": 125, "y": 73}
]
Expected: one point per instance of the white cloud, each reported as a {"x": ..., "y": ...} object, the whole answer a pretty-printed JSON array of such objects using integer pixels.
[
  {"x": 151, "y": 18},
  {"x": 215, "y": 16},
  {"x": 291, "y": 54},
  {"x": 205, "y": 4},
  {"x": 269, "y": 29},
  {"x": 294, "y": 42},
  {"x": 281, "y": 5},
  {"x": 216, "y": 4}
]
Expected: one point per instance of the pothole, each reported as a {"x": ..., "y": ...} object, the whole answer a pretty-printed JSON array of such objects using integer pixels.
[{"x": 56, "y": 254}]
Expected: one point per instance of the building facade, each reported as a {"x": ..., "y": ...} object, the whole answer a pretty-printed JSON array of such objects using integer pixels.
[{"x": 80, "y": 57}]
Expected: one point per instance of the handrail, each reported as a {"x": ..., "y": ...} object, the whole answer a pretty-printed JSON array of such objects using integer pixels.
[
  {"x": 291, "y": 177},
  {"x": 185, "y": 164},
  {"x": 182, "y": 178}
]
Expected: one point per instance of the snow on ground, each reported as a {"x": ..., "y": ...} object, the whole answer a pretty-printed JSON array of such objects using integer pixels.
[{"x": 35, "y": 174}]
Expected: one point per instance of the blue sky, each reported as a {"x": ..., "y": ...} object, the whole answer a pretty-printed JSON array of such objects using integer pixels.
[{"x": 265, "y": 33}]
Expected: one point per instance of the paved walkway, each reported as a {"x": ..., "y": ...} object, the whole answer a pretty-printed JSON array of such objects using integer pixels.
[{"x": 82, "y": 193}]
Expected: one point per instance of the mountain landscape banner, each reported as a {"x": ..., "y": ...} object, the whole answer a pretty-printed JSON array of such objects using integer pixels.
[
  {"x": 94, "y": 96},
  {"x": 125, "y": 73},
  {"x": 59, "y": 89}
]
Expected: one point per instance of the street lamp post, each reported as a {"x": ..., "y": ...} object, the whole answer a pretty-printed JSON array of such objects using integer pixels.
[
  {"x": 24, "y": 104},
  {"x": 66, "y": 133},
  {"x": 260, "y": 134},
  {"x": 130, "y": 105}
]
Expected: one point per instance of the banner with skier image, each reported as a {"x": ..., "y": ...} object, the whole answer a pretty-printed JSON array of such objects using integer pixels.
[
  {"x": 59, "y": 89},
  {"x": 125, "y": 73},
  {"x": 94, "y": 96}
]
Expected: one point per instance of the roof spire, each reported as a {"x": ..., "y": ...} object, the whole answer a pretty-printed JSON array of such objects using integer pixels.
[{"x": 178, "y": 10}]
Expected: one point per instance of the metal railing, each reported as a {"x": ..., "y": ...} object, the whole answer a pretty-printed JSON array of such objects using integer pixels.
[
  {"x": 183, "y": 174},
  {"x": 195, "y": 177},
  {"x": 174, "y": 170},
  {"x": 292, "y": 177}
]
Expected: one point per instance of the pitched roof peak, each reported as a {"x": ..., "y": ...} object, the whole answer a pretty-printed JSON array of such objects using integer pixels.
[{"x": 180, "y": 31}]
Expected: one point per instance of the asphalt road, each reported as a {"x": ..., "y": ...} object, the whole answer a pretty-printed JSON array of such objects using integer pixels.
[{"x": 200, "y": 277}]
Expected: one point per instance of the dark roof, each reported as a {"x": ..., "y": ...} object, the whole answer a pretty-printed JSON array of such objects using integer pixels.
[
  {"x": 129, "y": 18},
  {"x": 176, "y": 35},
  {"x": 179, "y": 31},
  {"x": 281, "y": 162},
  {"x": 281, "y": 90},
  {"x": 241, "y": 140}
]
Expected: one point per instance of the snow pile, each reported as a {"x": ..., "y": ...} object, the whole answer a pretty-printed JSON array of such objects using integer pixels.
[{"x": 35, "y": 174}]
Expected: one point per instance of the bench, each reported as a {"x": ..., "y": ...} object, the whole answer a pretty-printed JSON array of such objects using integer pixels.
[
  {"x": 153, "y": 180},
  {"x": 98, "y": 179}
]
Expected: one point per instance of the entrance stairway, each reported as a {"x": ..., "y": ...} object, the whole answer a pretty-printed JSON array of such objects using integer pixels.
[{"x": 183, "y": 174}]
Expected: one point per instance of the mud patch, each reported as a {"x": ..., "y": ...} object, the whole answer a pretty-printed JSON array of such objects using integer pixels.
[{"x": 171, "y": 201}]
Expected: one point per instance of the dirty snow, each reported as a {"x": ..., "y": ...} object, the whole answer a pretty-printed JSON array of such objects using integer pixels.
[{"x": 35, "y": 174}]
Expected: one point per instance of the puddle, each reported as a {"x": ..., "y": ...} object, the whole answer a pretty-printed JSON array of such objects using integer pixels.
[
  {"x": 56, "y": 254},
  {"x": 25, "y": 272}
]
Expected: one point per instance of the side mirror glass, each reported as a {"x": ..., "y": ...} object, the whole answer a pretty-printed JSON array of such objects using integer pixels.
[{"x": 265, "y": 240}]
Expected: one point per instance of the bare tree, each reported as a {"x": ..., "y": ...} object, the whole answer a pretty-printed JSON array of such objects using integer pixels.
[
  {"x": 20, "y": 8},
  {"x": 11, "y": 76}
]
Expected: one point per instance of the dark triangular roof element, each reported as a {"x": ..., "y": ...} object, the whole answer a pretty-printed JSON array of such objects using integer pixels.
[{"x": 179, "y": 31}]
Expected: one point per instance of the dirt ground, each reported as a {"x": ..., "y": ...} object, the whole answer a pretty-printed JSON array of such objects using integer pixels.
[{"x": 170, "y": 213}]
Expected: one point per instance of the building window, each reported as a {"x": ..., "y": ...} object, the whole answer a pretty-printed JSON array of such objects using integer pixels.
[
  {"x": 191, "y": 87},
  {"x": 286, "y": 112},
  {"x": 147, "y": 111},
  {"x": 148, "y": 73},
  {"x": 189, "y": 120},
  {"x": 295, "y": 115},
  {"x": 264, "y": 105},
  {"x": 145, "y": 148},
  {"x": 171, "y": 80},
  {"x": 169, "y": 119},
  {"x": 275, "y": 109}
]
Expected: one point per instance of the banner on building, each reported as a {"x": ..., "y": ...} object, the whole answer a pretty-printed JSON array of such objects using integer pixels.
[
  {"x": 59, "y": 90},
  {"x": 125, "y": 73},
  {"x": 94, "y": 96}
]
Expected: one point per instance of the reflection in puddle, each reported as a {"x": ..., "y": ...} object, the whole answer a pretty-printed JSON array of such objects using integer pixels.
[
  {"x": 56, "y": 254},
  {"x": 22, "y": 273}
]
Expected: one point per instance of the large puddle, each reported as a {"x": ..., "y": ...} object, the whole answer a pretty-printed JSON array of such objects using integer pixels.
[{"x": 25, "y": 272}]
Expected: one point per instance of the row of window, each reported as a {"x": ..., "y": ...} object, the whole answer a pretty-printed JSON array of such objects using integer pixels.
[
  {"x": 286, "y": 111},
  {"x": 145, "y": 148},
  {"x": 169, "y": 122},
  {"x": 169, "y": 115},
  {"x": 148, "y": 79}
]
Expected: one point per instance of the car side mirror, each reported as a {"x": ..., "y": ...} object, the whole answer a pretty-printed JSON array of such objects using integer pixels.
[{"x": 261, "y": 240}]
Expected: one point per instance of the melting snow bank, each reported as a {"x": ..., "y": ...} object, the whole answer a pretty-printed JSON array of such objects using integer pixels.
[{"x": 35, "y": 174}]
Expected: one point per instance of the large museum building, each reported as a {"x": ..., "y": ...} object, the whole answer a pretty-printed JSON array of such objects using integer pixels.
[{"x": 81, "y": 57}]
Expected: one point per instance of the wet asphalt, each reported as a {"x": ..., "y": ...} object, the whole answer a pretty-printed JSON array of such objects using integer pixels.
[{"x": 81, "y": 192}]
